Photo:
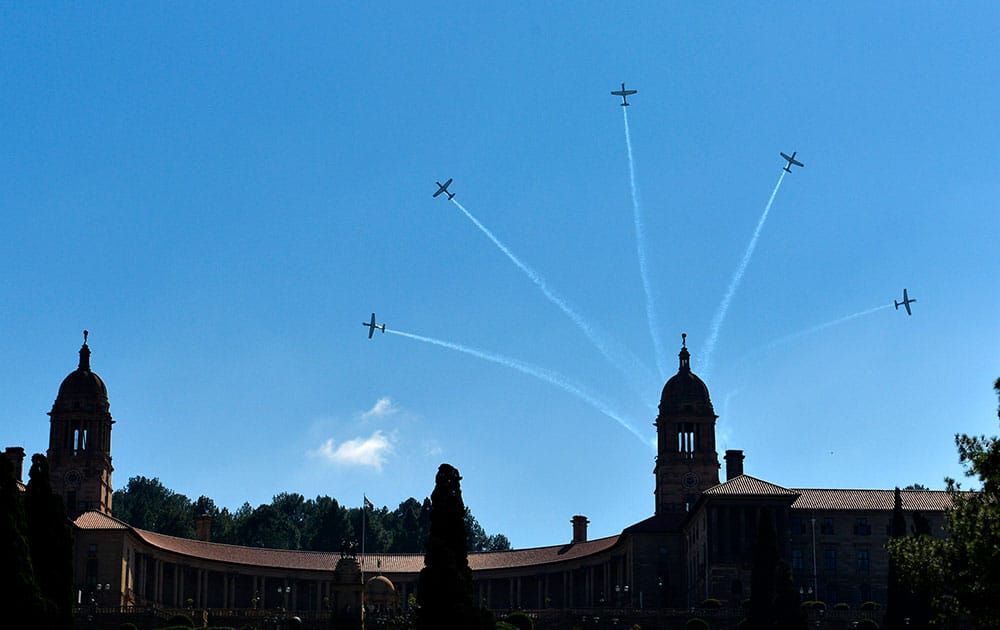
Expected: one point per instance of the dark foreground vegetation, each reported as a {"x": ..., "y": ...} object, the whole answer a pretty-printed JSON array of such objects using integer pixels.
[{"x": 290, "y": 521}]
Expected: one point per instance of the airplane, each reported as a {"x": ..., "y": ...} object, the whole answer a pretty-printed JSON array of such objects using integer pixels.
[
  {"x": 791, "y": 160},
  {"x": 372, "y": 326},
  {"x": 443, "y": 188},
  {"x": 623, "y": 93},
  {"x": 906, "y": 303}
]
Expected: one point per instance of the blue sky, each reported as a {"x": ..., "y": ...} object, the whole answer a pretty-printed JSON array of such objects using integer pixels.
[{"x": 221, "y": 194}]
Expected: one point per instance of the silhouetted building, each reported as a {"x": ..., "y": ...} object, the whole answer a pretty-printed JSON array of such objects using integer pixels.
[{"x": 696, "y": 544}]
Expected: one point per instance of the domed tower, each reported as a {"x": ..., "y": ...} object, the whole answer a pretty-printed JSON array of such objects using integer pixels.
[
  {"x": 80, "y": 440},
  {"x": 686, "y": 460}
]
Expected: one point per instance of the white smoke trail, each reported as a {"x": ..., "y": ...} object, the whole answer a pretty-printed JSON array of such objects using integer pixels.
[
  {"x": 624, "y": 361},
  {"x": 640, "y": 244},
  {"x": 720, "y": 314},
  {"x": 814, "y": 329},
  {"x": 546, "y": 375}
]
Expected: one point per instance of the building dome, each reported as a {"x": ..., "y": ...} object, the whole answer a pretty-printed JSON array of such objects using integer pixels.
[
  {"x": 82, "y": 383},
  {"x": 685, "y": 391}
]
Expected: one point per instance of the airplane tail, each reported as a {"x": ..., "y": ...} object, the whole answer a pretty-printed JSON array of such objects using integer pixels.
[
  {"x": 896, "y": 303},
  {"x": 451, "y": 196},
  {"x": 383, "y": 328}
]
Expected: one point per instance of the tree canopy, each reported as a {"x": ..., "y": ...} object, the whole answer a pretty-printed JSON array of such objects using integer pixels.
[
  {"x": 960, "y": 574},
  {"x": 290, "y": 521}
]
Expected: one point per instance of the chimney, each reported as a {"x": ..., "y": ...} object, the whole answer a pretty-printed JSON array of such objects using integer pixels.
[
  {"x": 579, "y": 528},
  {"x": 16, "y": 456},
  {"x": 734, "y": 464},
  {"x": 203, "y": 527}
]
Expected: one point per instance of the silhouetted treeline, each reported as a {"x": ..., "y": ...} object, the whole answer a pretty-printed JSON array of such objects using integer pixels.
[{"x": 290, "y": 521}]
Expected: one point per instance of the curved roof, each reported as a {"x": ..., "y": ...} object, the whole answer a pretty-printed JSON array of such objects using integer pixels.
[
  {"x": 327, "y": 561},
  {"x": 684, "y": 391},
  {"x": 82, "y": 382}
]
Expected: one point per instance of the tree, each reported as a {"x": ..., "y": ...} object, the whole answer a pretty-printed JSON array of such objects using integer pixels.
[
  {"x": 444, "y": 592},
  {"x": 20, "y": 597},
  {"x": 269, "y": 528},
  {"x": 333, "y": 527},
  {"x": 51, "y": 542},
  {"x": 147, "y": 504},
  {"x": 897, "y": 601},
  {"x": 960, "y": 575},
  {"x": 763, "y": 573},
  {"x": 498, "y": 542}
]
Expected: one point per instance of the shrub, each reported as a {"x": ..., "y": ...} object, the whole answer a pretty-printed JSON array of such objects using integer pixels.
[
  {"x": 696, "y": 624},
  {"x": 711, "y": 603},
  {"x": 179, "y": 621},
  {"x": 866, "y": 624},
  {"x": 127, "y": 626},
  {"x": 520, "y": 621},
  {"x": 871, "y": 606},
  {"x": 813, "y": 604},
  {"x": 503, "y": 625},
  {"x": 841, "y": 606}
]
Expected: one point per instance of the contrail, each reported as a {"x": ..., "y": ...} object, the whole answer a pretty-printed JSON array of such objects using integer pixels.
[
  {"x": 546, "y": 375},
  {"x": 809, "y": 331},
  {"x": 734, "y": 284},
  {"x": 625, "y": 364},
  {"x": 640, "y": 243}
]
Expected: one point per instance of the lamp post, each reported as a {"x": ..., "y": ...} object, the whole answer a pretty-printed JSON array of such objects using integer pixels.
[
  {"x": 815, "y": 587},
  {"x": 285, "y": 591}
]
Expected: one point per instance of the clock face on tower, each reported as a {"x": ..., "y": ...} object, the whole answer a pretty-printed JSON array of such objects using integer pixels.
[{"x": 690, "y": 480}]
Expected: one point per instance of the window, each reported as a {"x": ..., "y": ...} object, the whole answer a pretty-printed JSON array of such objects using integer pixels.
[
  {"x": 797, "y": 560},
  {"x": 863, "y": 561},
  {"x": 861, "y": 527},
  {"x": 827, "y": 527},
  {"x": 797, "y": 526},
  {"x": 686, "y": 442},
  {"x": 830, "y": 560}
]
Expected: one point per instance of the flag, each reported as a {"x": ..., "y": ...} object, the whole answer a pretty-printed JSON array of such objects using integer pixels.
[{"x": 368, "y": 504}]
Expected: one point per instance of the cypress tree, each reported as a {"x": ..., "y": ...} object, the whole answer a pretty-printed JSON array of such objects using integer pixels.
[
  {"x": 51, "y": 542},
  {"x": 764, "y": 573},
  {"x": 444, "y": 592},
  {"x": 896, "y": 596},
  {"x": 20, "y": 597}
]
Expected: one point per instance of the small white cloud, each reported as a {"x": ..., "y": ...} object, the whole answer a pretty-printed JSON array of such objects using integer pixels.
[
  {"x": 432, "y": 448},
  {"x": 370, "y": 451},
  {"x": 383, "y": 407}
]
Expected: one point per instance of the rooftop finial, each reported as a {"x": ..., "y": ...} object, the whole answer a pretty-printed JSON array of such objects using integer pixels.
[
  {"x": 684, "y": 355},
  {"x": 85, "y": 353}
]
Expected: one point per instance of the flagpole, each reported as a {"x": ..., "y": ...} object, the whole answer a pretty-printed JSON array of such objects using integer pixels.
[{"x": 364, "y": 514}]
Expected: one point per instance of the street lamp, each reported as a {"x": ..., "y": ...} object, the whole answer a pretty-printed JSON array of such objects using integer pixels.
[{"x": 285, "y": 591}]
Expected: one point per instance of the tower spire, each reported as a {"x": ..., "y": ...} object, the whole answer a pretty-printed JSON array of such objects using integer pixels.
[
  {"x": 685, "y": 356},
  {"x": 85, "y": 353}
]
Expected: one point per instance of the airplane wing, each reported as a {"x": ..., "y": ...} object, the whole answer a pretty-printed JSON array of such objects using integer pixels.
[{"x": 907, "y": 305}]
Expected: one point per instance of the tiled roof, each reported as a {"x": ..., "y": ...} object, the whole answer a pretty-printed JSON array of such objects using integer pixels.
[
  {"x": 930, "y": 500},
  {"x": 746, "y": 485},
  {"x": 327, "y": 561},
  {"x": 658, "y": 523},
  {"x": 97, "y": 520}
]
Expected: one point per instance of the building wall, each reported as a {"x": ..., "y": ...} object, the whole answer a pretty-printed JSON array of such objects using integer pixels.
[{"x": 850, "y": 550}]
